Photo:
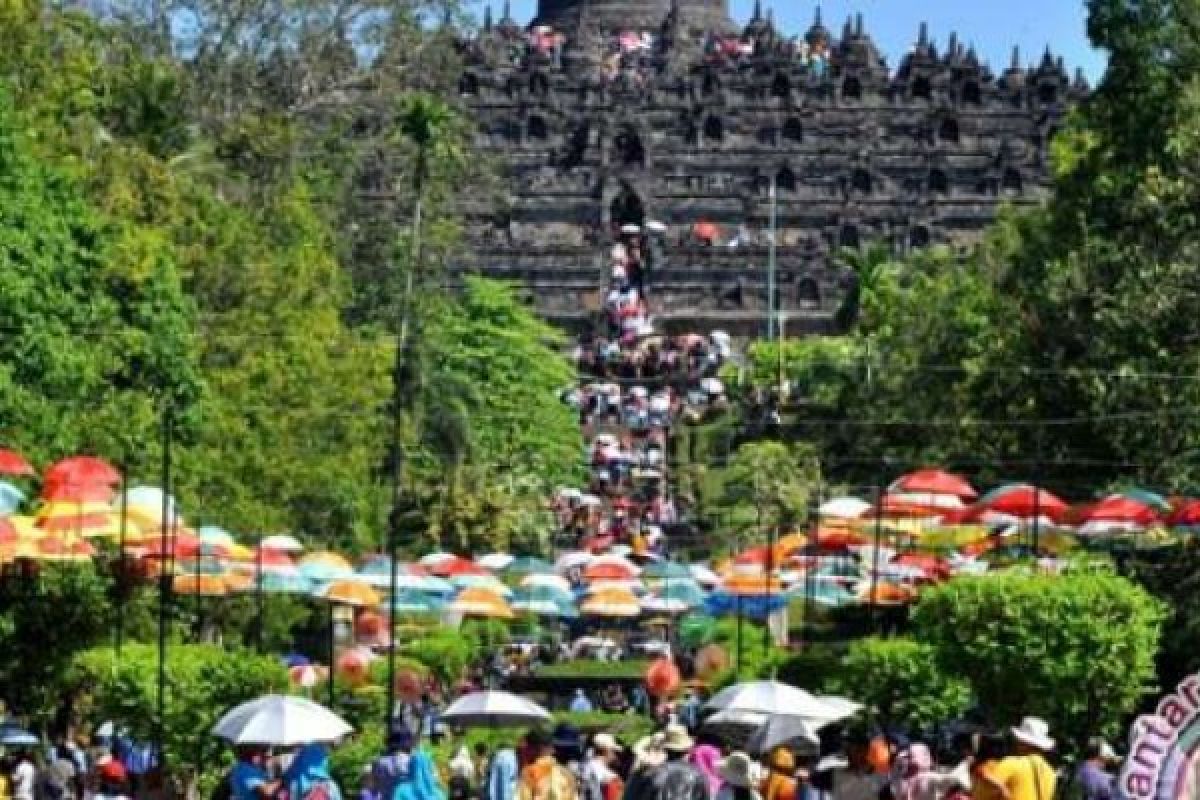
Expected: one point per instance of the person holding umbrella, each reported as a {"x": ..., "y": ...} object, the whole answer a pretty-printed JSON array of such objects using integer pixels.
[
  {"x": 249, "y": 779},
  {"x": 308, "y": 777}
]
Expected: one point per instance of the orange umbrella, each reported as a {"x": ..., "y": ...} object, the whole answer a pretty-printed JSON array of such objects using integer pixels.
[
  {"x": 62, "y": 549},
  {"x": 479, "y": 602},
  {"x": 351, "y": 593},
  {"x": 889, "y": 594},
  {"x": 747, "y": 585},
  {"x": 200, "y": 585},
  {"x": 609, "y": 571},
  {"x": 705, "y": 230},
  {"x": 611, "y": 603}
]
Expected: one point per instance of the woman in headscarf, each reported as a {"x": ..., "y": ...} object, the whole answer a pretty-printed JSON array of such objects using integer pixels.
[
  {"x": 308, "y": 777},
  {"x": 914, "y": 778},
  {"x": 706, "y": 757},
  {"x": 421, "y": 782},
  {"x": 462, "y": 774}
]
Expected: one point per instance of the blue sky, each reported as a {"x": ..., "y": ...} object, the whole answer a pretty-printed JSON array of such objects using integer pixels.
[{"x": 993, "y": 26}]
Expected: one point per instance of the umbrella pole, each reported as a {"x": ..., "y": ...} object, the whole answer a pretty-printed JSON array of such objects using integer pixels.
[
  {"x": 875, "y": 552},
  {"x": 393, "y": 577},
  {"x": 120, "y": 631},
  {"x": 258, "y": 595},
  {"x": 332, "y": 647},
  {"x": 738, "y": 643},
  {"x": 164, "y": 590}
]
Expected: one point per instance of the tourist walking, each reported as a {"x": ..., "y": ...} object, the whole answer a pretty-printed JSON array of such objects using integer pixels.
[
  {"x": 502, "y": 775},
  {"x": 545, "y": 778},
  {"x": 600, "y": 779},
  {"x": 706, "y": 757},
  {"x": 678, "y": 778},
  {"x": 1027, "y": 775},
  {"x": 308, "y": 776},
  {"x": 1096, "y": 781},
  {"x": 740, "y": 776},
  {"x": 392, "y": 767}
]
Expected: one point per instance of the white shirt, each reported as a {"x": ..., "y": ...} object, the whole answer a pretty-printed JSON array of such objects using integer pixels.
[{"x": 23, "y": 779}]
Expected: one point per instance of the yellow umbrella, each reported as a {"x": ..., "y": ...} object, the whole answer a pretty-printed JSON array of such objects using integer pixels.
[
  {"x": 611, "y": 603},
  {"x": 476, "y": 602},
  {"x": 63, "y": 549},
  {"x": 200, "y": 585},
  {"x": 351, "y": 593},
  {"x": 750, "y": 584}
]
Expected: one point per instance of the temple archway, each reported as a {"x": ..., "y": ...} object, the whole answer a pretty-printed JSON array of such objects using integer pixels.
[
  {"x": 922, "y": 89},
  {"x": 536, "y": 128},
  {"x": 808, "y": 293},
  {"x": 848, "y": 236},
  {"x": 939, "y": 183},
  {"x": 1010, "y": 181},
  {"x": 1047, "y": 94},
  {"x": 627, "y": 208},
  {"x": 852, "y": 88},
  {"x": 971, "y": 95},
  {"x": 781, "y": 87},
  {"x": 860, "y": 181},
  {"x": 785, "y": 181},
  {"x": 714, "y": 129},
  {"x": 918, "y": 237},
  {"x": 948, "y": 130},
  {"x": 630, "y": 152},
  {"x": 793, "y": 131},
  {"x": 468, "y": 85}
]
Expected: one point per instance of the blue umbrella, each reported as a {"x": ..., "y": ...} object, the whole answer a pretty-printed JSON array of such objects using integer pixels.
[
  {"x": 319, "y": 572},
  {"x": 411, "y": 601},
  {"x": 295, "y": 660},
  {"x": 285, "y": 583},
  {"x": 11, "y": 498},
  {"x": 527, "y": 565},
  {"x": 687, "y": 592},
  {"x": 12, "y": 736},
  {"x": 543, "y": 594},
  {"x": 667, "y": 569}
]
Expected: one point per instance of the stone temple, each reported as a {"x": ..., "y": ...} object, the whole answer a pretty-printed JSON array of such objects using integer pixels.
[{"x": 606, "y": 113}]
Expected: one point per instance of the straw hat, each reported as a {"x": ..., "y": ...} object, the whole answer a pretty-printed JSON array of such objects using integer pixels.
[
  {"x": 1034, "y": 732},
  {"x": 649, "y": 752},
  {"x": 676, "y": 739},
  {"x": 606, "y": 742},
  {"x": 739, "y": 770}
]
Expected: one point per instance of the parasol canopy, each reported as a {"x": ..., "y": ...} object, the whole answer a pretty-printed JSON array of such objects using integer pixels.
[
  {"x": 281, "y": 721},
  {"x": 494, "y": 709}
]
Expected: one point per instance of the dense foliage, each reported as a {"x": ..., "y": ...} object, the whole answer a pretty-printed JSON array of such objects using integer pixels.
[{"x": 1077, "y": 650}]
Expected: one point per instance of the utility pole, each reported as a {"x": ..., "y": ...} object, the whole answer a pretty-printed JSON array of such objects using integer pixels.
[
  {"x": 164, "y": 583},
  {"x": 772, "y": 328}
]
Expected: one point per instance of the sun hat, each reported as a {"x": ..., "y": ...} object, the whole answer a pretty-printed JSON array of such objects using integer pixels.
[
  {"x": 648, "y": 752},
  {"x": 1034, "y": 732},
  {"x": 739, "y": 770},
  {"x": 606, "y": 741},
  {"x": 676, "y": 739}
]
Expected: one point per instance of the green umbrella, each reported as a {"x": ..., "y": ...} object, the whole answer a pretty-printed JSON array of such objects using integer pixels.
[
  {"x": 695, "y": 630},
  {"x": 1147, "y": 498},
  {"x": 667, "y": 569},
  {"x": 527, "y": 565}
]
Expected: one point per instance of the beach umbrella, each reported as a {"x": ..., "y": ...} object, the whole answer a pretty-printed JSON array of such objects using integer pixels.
[
  {"x": 436, "y": 558},
  {"x": 934, "y": 482},
  {"x": 527, "y": 565},
  {"x": 706, "y": 230},
  {"x": 549, "y": 594},
  {"x": 495, "y": 561},
  {"x": 770, "y": 697},
  {"x": 696, "y": 629},
  {"x": 349, "y": 593},
  {"x": 494, "y": 709},
  {"x": 14, "y": 464},
  {"x": 844, "y": 508},
  {"x": 481, "y": 603},
  {"x": 325, "y": 566},
  {"x": 667, "y": 569},
  {"x": 211, "y": 534},
  {"x": 283, "y": 582},
  {"x": 572, "y": 561},
  {"x": 751, "y": 584},
  {"x": 12, "y": 736},
  {"x": 552, "y": 581},
  {"x": 633, "y": 585},
  {"x": 543, "y": 603},
  {"x": 655, "y": 604},
  {"x": 411, "y": 601},
  {"x": 1022, "y": 501},
  {"x": 454, "y": 566},
  {"x": 11, "y": 498},
  {"x": 81, "y": 470},
  {"x": 1186, "y": 516},
  {"x": 489, "y": 582},
  {"x": 685, "y": 591},
  {"x": 283, "y": 542},
  {"x": 1119, "y": 509},
  {"x": 199, "y": 585},
  {"x": 93, "y": 519},
  {"x": 307, "y": 676},
  {"x": 611, "y": 603},
  {"x": 281, "y": 721},
  {"x": 610, "y": 571},
  {"x": 704, "y": 575},
  {"x": 57, "y": 549},
  {"x": 1148, "y": 498}
]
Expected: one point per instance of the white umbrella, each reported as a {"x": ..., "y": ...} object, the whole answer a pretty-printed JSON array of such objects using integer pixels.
[
  {"x": 495, "y": 561},
  {"x": 437, "y": 558},
  {"x": 781, "y": 730},
  {"x": 949, "y": 502},
  {"x": 631, "y": 228},
  {"x": 704, "y": 576},
  {"x": 654, "y": 226},
  {"x": 663, "y": 605},
  {"x": 284, "y": 543},
  {"x": 281, "y": 721},
  {"x": 844, "y": 508},
  {"x": 618, "y": 561},
  {"x": 570, "y": 561},
  {"x": 493, "y": 710},
  {"x": 768, "y": 697},
  {"x": 552, "y": 581}
]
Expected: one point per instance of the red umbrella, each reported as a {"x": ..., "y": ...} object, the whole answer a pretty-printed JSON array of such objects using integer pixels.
[
  {"x": 931, "y": 565},
  {"x": 608, "y": 571},
  {"x": 82, "y": 470},
  {"x": 934, "y": 481},
  {"x": 1024, "y": 501},
  {"x": 705, "y": 230},
  {"x": 1117, "y": 508},
  {"x": 753, "y": 556},
  {"x": 79, "y": 492},
  {"x": 13, "y": 463},
  {"x": 901, "y": 508},
  {"x": 450, "y": 567},
  {"x": 1186, "y": 516}
]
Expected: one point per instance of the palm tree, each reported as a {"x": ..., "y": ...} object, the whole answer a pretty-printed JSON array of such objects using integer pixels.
[{"x": 434, "y": 131}]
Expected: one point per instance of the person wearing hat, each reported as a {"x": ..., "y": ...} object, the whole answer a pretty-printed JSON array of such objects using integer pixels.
[
  {"x": 1027, "y": 775},
  {"x": 502, "y": 773},
  {"x": 600, "y": 780},
  {"x": 678, "y": 778},
  {"x": 1096, "y": 781},
  {"x": 741, "y": 776},
  {"x": 545, "y": 778}
]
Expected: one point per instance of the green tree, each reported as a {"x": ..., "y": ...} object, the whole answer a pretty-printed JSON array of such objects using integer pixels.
[
  {"x": 767, "y": 486},
  {"x": 900, "y": 682},
  {"x": 1077, "y": 650}
]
